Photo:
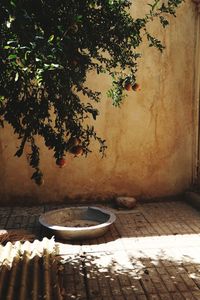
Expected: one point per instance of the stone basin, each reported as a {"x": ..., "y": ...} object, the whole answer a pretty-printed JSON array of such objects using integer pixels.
[{"x": 76, "y": 223}]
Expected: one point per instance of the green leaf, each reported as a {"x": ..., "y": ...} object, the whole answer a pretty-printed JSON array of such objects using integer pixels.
[
  {"x": 16, "y": 76},
  {"x": 164, "y": 21},
  {"x": 12, "y": 2},
  {"x": 51, "y": 38},
  {"x": 19, "y": 152},
  {"x": 11, "y": 42},
  {"x": 78, "y": 18},
  {"x": 26, "y": 55},
  {"x": 12, "y": 56},
  {"x": 39, "y": 37}
]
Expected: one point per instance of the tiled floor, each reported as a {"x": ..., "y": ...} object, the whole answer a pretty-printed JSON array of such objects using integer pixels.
[{"x": 152, "y": 252}]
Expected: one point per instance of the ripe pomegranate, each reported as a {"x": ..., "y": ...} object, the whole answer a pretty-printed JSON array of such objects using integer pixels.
[
  {"x": 136, "y": 87},
  {"x": 128, "y": 86},
  {"x": 61, "y": 162},
  {"x": 77, "y": 150}
]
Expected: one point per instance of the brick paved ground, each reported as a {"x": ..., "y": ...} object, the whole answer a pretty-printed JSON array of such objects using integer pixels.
[{"x": 152, "y": 252}]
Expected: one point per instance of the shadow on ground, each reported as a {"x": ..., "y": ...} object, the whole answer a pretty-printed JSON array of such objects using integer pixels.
[{"x": 117, "y": 275}]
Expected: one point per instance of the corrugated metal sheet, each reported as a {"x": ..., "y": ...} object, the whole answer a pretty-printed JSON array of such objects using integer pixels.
[{"x": 29, "y": 271}]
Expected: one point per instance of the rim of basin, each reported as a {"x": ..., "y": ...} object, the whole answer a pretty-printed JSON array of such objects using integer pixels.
[{"x": 45, "y": 223}]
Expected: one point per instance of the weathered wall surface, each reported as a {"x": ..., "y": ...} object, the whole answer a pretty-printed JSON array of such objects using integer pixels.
[{"x": 149, "y": 138}]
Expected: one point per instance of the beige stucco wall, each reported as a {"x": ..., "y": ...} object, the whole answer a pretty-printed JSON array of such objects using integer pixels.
[{"x": 150, "y": 138}]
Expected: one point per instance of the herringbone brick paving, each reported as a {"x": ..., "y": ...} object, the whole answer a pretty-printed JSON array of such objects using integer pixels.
[{"x": 152, "y": 252}]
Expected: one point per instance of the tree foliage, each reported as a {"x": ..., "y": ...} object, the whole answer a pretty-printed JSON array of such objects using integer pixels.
[{"x": 47, "y": 47}]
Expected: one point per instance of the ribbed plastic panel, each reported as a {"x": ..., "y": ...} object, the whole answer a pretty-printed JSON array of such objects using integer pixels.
[{"x": 29, "y": 271}]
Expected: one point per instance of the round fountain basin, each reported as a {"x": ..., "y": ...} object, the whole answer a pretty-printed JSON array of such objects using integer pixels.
[{"x": 76, "y": 223}]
